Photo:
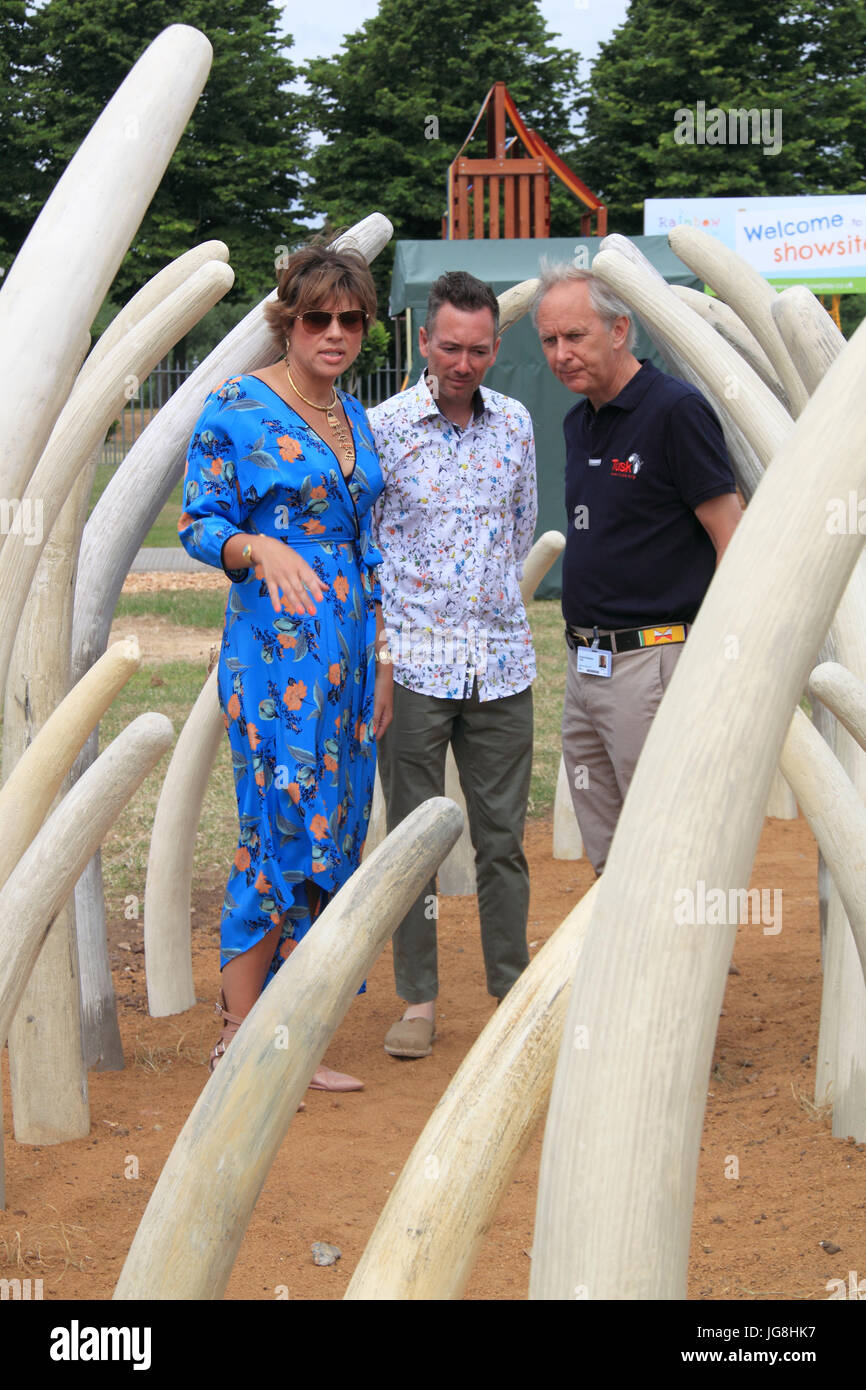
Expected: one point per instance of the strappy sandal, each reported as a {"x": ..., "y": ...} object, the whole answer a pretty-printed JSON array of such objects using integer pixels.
[{"x": 231, "y": 1024}]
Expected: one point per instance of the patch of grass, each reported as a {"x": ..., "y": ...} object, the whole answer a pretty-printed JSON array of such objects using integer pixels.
[
  {"x": 45, "y": 1248},
  {"x": 545, "y": 619},
  {"x": 163, "y": 532},
  {"x": 821, "y": 1114},
  {"x": 159, "y": 1057},
  {"x": 125, "y": 850},
  {"x": 185, "y": 607}
]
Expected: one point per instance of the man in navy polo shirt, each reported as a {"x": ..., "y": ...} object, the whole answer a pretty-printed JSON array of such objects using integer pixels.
[{"x": 651, "y": 503}]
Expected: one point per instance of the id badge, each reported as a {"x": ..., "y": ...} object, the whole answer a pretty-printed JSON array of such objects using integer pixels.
[{"x": 592, "y": 662}]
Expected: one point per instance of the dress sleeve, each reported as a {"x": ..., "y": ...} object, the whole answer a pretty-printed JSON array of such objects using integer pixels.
[
  {"x": 213, "y": 508},
  {"x": 525, "y": 500}
]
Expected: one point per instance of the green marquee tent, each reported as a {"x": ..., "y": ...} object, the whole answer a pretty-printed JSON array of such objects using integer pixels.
[{"x": 520, "y": 369}]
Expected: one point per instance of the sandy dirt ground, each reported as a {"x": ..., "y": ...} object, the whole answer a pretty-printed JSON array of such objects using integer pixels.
[{"x": 73, "y": 1209}]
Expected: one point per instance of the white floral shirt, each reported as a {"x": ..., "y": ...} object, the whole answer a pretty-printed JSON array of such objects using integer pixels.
[{"x": 454, "y": 525}]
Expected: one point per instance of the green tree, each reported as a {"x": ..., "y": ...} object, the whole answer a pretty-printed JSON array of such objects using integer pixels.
[
  {"x": 23, "y": 185},
  {"x": 396, "y": 103},
  {"x": 234, "y": 175},
  {"x": 787, "y": 55}
]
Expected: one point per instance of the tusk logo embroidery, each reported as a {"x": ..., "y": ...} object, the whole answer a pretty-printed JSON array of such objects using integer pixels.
[{"x": 627, "y": 468}]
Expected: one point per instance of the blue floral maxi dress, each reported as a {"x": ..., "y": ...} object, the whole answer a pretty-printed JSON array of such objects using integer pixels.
[{"x": 296, "y": 691}]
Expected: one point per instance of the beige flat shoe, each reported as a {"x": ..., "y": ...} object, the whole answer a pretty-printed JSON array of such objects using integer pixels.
[{"x": 411, "y": 1037}]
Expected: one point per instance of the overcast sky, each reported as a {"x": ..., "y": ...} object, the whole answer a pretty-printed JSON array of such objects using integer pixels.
[{"x": 318, "y": 29}]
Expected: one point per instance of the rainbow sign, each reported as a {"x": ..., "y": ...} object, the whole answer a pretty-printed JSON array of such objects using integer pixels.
[{"x": 819, "y": 242}]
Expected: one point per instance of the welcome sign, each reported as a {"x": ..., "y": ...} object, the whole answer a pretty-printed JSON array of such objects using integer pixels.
[{"x": 819, "y": 242}]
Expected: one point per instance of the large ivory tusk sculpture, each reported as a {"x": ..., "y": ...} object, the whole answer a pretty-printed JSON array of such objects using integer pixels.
[
  {"x": 427, "y": 1239},
  {"x": 80, "y": 237},
  {"x": 38, "y": 775},
  {"x": 157, "y": 288},
  {"x": 841, "y": 1066},
  {"x": 45, "y": 875},
  {"x": 195, "y": 1220},
  {"x": 82, "y": 425},
  {"x": 623, "y": 1131},
  {"x": 61, "y": 471},
  {"x": 747, "y": 293},
  {"x": 46, "y": 1059},
  {"x": 722, "y": 318},
  {"x": 168, "y": 962},
  {"x": 808, "y": 332},
  {"x": 836, "y": 815}
]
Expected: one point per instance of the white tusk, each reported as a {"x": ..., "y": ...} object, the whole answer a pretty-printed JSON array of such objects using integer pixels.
[{"x": 195, "y": 1220}]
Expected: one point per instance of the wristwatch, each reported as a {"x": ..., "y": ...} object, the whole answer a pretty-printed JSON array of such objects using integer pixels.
[{"x": 247, "y": 554}]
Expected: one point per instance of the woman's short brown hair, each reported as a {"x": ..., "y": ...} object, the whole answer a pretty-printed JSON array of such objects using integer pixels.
[{"x": 314, "y": 275}]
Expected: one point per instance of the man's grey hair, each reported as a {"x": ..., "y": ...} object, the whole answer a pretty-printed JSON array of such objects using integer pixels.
[{"x": 606, "y": 304}]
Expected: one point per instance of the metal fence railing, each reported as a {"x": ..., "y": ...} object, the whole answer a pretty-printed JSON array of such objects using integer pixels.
[{"x": 165, "y": 379}]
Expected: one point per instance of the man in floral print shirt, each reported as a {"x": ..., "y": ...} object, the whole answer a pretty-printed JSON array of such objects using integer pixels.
[{"x": 454, "y": 524}]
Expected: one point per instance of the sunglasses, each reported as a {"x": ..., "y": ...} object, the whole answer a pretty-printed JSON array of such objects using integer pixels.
[{"x": 317, "y": 320}]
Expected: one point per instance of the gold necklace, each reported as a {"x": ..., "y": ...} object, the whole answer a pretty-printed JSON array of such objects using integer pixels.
[{"x": 343, "y": 440}]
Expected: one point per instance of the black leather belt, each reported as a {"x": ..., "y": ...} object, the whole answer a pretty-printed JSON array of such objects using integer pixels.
[{"x": 631, "y": 640}]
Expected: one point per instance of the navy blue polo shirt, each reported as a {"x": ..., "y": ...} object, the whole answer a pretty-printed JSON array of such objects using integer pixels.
[{"x": 635, "y": 553}]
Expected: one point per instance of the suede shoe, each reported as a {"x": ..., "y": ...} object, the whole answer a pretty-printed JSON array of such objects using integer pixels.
[{"x": 410, "y": 1037}]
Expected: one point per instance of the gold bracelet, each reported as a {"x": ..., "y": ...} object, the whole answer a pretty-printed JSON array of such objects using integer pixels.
[{"x": 247, "y": 553}]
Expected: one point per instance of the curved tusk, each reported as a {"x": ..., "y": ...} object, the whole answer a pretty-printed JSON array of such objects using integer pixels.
[
  {"x": 45, "y": 874},
  {"x": 456, "y": 876},
  {"x": 810, "y": 336},
  {"x": 158, "y": 287},
  {"x": 836, "y": 816},
  {"x": 81, "y": 427},
  {"x": 369, "y": 236},
  {"x": 377, "y": 827},
  {"x": 623, "y": 1131},
  {"x": 722, "y": 318},
  {"x": 515, "y": 302},
  {"x": 38, "y": 775},
  {"x": 167, "y": 893},
  {"x": 567, "y": 839},
  {"x": 544, "y": 553},
  {"x": 843, "y": 694},
  {"x": 81, "y": 235},
  {"x": 427, "y": 1239},
  {"x": 842, "y": 1037},
  {"x": 195, "y": 1220},
  {"x": 747, "y": 293}
]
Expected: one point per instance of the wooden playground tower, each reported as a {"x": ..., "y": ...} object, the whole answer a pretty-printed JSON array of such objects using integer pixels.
[{"x": 508, "y": 193}]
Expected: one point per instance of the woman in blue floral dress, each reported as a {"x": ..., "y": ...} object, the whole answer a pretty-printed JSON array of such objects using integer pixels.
[{"x": 281, "y": 475}]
